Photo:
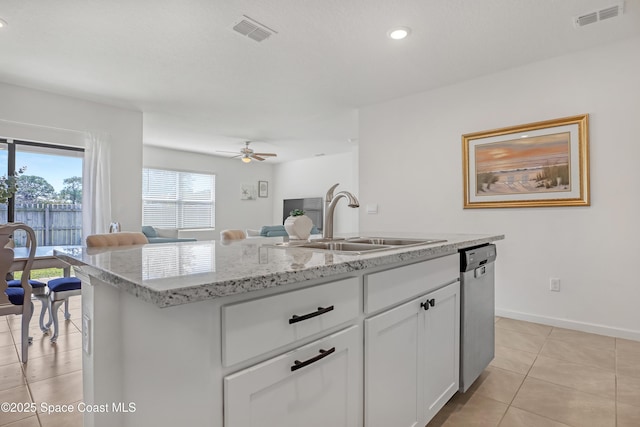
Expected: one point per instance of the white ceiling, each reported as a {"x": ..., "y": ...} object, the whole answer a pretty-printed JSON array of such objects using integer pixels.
[{"x": 203, "y": 87}]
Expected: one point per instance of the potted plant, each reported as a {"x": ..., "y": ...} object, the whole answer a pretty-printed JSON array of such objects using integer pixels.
[{"x": 298, "y": 225}]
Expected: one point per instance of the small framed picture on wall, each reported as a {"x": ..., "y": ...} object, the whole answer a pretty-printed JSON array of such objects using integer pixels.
[{"x": 263, "y": 188}]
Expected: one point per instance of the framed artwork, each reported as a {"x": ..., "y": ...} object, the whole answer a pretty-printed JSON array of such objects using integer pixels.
[
  {"x": 533, "y": 165},
  {"x": 263, "y": 188},
  {"x": 248, "y": 192}
]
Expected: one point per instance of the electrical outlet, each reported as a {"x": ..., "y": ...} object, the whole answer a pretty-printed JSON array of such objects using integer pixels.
[
  {"x": 86, "y": 334},
  {"x": 554, "y": 284}
]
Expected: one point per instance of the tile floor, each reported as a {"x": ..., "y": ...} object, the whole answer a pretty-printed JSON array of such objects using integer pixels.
[
  {"x": 541, "y": 376},
  {"x": 53, "y": 373},
  {"x": 551, "y": 377}
]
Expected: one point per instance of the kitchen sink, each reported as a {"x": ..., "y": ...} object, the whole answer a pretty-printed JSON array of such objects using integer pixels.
[
  {"x": 344, "y": 246},
  {"x": 357, "y": 245},
  {"x": 392, "y": 241}
]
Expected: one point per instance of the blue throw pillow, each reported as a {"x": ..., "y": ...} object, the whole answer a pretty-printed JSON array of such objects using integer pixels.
[{"x": 149, "y": 231}]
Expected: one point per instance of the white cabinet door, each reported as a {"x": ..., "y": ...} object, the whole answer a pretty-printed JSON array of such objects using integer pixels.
[
  {"x": 317, "y": 385},
  {"x": 412, "y": 359},
  {"x": 440, "y": 376},
  {"x": 393, "y": 349}
]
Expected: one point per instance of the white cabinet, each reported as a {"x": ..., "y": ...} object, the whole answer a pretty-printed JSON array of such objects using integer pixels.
[
  {"x": 251, "y": 328},
  {"x": 411, "y": 359},
  {"x": 316, "y": 385},
  {"x": 442, "y": 349}
]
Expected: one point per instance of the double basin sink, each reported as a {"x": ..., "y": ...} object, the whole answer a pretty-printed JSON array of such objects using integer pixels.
[{"x": 359, "y": 245}]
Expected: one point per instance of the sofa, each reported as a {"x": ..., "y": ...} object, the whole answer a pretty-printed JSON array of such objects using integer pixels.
[{"x": 164, "y": 235}]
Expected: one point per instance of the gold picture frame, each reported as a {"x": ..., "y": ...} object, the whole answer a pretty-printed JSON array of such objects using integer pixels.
[{"x": 539, "y": 164}]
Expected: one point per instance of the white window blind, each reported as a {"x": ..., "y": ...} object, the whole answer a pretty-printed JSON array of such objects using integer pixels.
[{"x": 177, "y": 199}]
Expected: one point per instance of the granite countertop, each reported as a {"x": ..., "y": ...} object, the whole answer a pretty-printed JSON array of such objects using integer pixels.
[{"x": 169, "y": 274}]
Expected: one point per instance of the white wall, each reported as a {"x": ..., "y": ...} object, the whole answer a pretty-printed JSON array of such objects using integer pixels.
[
  {"x": 45, "y": 117},
  {"x": 312, "y": 178},
  {"x": 410, "y": 164},
  {"x": 231, "y": 211}
]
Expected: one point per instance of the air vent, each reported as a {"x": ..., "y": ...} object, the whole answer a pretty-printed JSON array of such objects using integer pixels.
[
  {"x": 610, "y": 12},
  {"x": 599, "y": 15},
  {"x": 253, "y": 29}
]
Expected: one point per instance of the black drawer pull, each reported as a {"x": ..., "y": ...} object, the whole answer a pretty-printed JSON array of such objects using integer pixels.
[
  {"x": 321, "y": 310},
  {"x": 323, "y": 353},
  {"x": 430, "y": 302}
]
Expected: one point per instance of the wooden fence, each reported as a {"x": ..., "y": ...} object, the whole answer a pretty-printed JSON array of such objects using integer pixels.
[{"x": 53, "y": 224}]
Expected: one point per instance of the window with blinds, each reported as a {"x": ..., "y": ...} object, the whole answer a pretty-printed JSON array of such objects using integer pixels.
[{"x": 178, "y": 199}]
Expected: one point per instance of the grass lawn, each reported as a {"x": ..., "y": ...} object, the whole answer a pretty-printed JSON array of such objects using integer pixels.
[{"x": 43, "y": 273}]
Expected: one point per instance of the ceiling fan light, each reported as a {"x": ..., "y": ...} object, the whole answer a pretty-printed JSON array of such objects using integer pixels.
[{"x": 245, "y": 159}]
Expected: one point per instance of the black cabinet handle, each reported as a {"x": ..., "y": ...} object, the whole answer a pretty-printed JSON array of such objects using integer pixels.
[
  {"x": 321, "y": 310},
  {"x": 323, "y": 353},
  {"x": 430, "y": 302}
]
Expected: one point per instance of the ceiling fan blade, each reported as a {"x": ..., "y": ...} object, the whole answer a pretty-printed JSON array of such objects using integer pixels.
[
  {"x": 266, "y": 154},
  {"x": 254, "y": 156}
]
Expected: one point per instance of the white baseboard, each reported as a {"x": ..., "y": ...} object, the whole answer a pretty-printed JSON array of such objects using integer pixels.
[{"x": 571, "y": 324}]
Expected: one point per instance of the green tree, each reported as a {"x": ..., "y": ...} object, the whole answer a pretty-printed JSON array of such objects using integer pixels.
[
  {"x": 72, "y": 189},
  {"x": 32, "y": 188}
]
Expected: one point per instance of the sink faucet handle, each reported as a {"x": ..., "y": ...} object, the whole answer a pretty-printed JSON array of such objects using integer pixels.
[{"x": 329, "y": 195}]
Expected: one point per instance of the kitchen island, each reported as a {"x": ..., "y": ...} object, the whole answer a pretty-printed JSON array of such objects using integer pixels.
[{"x": 249, "y": 333}]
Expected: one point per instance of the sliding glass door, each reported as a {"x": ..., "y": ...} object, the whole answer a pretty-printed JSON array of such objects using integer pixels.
[{"x": 49, "y": 197}]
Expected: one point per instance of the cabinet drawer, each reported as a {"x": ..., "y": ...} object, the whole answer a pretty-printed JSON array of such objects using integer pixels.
[
  {"x": 390, "y": 287},
  {"x": 316, "y": 385},
  {"x": 255, "y": 327}
]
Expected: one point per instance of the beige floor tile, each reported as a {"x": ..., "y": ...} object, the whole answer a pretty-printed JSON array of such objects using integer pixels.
[
  {"x": 628, "y": 389},
  {"x": 4, "y": 326},
  {"x": 583, "y": 338},
  {"x": 65, "y": 388},
  {"x": 565, "y": 404},
  {"x": 628, "y": 416},
  {"x": 497, "y": 384},
  {"x": 15, "y": 395},
  {"x": 61, "y": 419},
  {"x": 15, "y": 324},
  {"x": 11, "y": 376},
  {"x": 53, "y": 365},
  {"x": 66, "y": 327},
  {"x": 525, "y": 327},
  {"x": 591, "y": 356},
  {"x": 472, "y": 411},
  {"x": 25, "y": 422},
  {"x": 6, "y": 339},
  {"x": 628, "y": 364},
  {"x": 586, "y": 379},
  {"x": 518, "y": 418},
  {"x": 623, "y": 345},
  {"x": 8, "y": 354},
  {"x": 513, "y": 360},
  {"x": 42, "y": 346},
  {"x": 519, "y": 340}
]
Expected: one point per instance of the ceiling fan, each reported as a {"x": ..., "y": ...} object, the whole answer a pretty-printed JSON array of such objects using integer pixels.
[{"x": 247, "y": 154}]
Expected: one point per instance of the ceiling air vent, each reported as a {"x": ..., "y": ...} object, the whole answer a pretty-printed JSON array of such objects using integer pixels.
[
  {"x": 253, "y": 29},
  {"x": 599, "y": 15}
]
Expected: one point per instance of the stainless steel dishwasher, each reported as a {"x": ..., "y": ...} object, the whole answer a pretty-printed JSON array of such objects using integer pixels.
[{"x": 477, "y": 311}]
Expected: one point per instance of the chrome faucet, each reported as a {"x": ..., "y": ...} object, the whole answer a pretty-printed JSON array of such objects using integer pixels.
[{"x": 330, "y": 208}]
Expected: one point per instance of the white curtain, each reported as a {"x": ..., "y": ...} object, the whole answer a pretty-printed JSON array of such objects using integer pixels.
[{"x": 96, "y": 187}]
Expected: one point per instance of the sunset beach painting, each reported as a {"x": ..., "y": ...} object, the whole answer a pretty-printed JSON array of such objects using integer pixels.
[
  {"x": 539, "y": 164},
  {"x": 524, "y": 165}
]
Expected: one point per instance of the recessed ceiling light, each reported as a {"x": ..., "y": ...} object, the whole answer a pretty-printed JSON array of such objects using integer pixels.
[
  {"x": 399, "y": 33},
  {"x": 3, "y": 23}
]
